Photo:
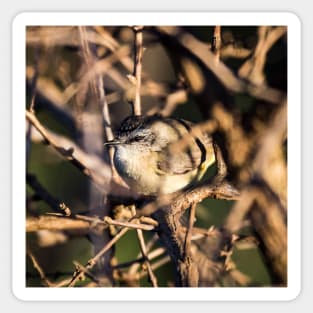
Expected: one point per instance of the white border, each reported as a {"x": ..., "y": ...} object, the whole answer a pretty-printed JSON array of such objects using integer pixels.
[{"x": 146, "y": 294}]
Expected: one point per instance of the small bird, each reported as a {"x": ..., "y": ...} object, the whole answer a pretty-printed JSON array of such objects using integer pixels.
[{"x": 146, "y": 160}]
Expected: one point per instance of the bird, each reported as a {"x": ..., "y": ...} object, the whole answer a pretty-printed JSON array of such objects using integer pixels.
[{"x": 152, "y": 158}]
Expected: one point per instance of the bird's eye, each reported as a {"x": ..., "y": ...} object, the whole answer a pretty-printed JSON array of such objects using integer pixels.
[{"x": 139, "y": 138}]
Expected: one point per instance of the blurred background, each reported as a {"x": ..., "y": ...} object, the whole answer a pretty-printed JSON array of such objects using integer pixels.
[{"x": 65, "y": 66}]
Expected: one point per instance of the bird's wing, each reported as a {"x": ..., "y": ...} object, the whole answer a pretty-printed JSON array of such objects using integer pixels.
[{"x": 198, "y": 152}]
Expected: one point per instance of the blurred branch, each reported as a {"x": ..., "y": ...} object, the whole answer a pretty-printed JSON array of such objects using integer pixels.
[
  {"x": 72, "y": 153},
  {"x": 87, "y": 55},
  {"x": 264, "y": 196},
  {"x": 252, "y": 142},
  {"x": 51, "y": 103},
  {"x": 216, "y": 43},
  {"x": 90, "y": 165},
  {"x": 229, "y": 51},
  {"x": 173, "y": 99},
  {"x": 220, "y": 70},
  {"x": 34, "y": 224},
  {"x": 253, "y": 69},
  {"x": 136, "y": 79}
]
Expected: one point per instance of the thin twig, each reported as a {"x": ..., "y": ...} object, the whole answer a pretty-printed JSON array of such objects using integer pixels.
[
  {"x": 131, "y": 277},
  {"x": 134, "y": 224},
  {"x": 40, "y": 271},
  {"x": 42, "y": 192},
  {"x": 33, "y": 91},
  {"x": 98, "y": 86},
  {"x": 79, "y": 267},
  {"x": 67, "y": 153},
  {"x": 59, "y": 221},
  {"x": 138, "y": 51},
  {"x": 105, "y": 110},
  {"x": 93, "y": 261},
  {"x": 156, "y": 265},
  {"x": 108, "y": 129},
  {"x": 74, "y": 221},
  {"x": 134, "y": 268},
  {"x": 146, "y": 258},
  {"x": 42, "y": 275},
  {"x": 216, "y": 43},
  {"x": 152, "y": 255}
]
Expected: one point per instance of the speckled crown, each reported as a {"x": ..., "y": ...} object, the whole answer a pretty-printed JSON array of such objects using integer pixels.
[{"x": 133, "y": 122}]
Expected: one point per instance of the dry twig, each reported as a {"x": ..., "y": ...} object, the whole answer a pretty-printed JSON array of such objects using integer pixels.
[
  {"x": 138, "y": 51},
  {"x": 145, "y": 256}
]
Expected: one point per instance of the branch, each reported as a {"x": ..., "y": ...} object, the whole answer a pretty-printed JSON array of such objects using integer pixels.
[
  {"x": 216, "y": 43},
  {"x": 152, "y": 255},
  {"x": 54, "y": 223},
  {"x": 146, "y": 258},
  {"x": 68, "y": 153},
  {"x": 93, "y": 261},
  {"x": 168, "y": 212},
  {"x": 33, "y": 182},
  {"x": 253, "y": 69},
  {"x": 224, "y": 191},
  {"x": 138, "y": 51},
  {"x": 42, "y": 275},
  {"x": 226, "y": 77},
  {"x": 90, "y": 165},
  {"x": 58, "y": 221},
  {"x": 40, "y": 271}
]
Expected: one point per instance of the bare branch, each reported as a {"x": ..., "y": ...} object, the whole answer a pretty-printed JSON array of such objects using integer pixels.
[
  {"x": 90, "y": 165},
  {"x": 40, "y": 271},
  {"x": 138, "y": 51},
  {"x": 253, "y": 69},
  {"x": 134, "y": 224},
  {"x": 220, "y": 70},
  {"x": 146, "y": 258},
  {"x": 93, "y": 261},
  {"x": 216, "y": 43},
  {"x": 67, "y": 153},
  {"x": 152, "y": 255},
  {"x": 34, "y": 224}
]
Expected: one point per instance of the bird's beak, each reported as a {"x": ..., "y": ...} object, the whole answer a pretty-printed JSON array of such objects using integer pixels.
[{"x": 113, "y": 142}]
